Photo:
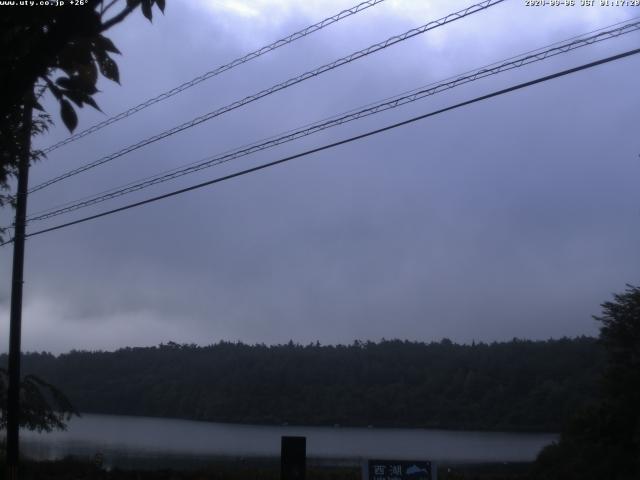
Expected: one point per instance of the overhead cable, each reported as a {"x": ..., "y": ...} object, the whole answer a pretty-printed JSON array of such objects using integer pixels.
[
  {"x": 341, "y": 142},
  {"x": 281, "y": 86},
  {"x": 394, "y": 102},
  {"x": 217, "y": 71}
]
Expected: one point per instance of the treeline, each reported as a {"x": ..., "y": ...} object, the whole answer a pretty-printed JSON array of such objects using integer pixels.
[{"x": 516, "y": 385}]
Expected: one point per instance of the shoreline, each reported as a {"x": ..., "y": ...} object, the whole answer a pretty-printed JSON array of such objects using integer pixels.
[{"x": 379, "y": 427}]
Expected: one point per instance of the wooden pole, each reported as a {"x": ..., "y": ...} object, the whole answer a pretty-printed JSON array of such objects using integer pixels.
[{"x": 15, "y": 325}]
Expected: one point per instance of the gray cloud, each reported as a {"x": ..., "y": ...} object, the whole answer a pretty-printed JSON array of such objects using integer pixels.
[{"x": 514, "y": 217}]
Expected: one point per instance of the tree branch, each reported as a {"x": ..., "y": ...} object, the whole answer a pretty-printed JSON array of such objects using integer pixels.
[
  {"x": 104, "y": 9},
  {"x": 119, "y": 17}
]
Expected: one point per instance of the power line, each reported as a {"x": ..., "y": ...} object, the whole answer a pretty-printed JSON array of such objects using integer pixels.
[
  {"x": 394, "y": 102},
  {"x": 281, "y": 86},
  {"x": 217, "y": 71},
  {"x": 341, "y": 142},
  {"x": 326, "y": 119}
]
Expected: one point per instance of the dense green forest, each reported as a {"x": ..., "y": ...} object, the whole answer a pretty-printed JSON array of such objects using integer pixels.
[{"x": 516, "y": 385}]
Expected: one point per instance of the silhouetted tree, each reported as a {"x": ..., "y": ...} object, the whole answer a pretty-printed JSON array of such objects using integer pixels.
[
  {"x": 603, "y": 441},
  {"x": 517, "y": 385}
]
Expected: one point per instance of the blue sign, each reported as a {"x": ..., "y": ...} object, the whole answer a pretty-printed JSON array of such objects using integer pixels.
[{"x": 399, "y": 470}]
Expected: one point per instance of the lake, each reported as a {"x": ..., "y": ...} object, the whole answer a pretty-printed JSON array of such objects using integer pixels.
[{"x": 134, "y": 441}]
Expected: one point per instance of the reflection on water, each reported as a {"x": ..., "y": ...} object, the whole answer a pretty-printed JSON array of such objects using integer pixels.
[{"x": 128, "y": 441}]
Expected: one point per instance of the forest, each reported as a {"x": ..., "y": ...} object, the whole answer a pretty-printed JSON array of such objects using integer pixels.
[{"x": 518, "y": 385}]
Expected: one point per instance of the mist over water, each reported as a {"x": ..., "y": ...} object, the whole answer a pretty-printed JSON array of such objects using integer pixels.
[{"x": 167, "y": 442}]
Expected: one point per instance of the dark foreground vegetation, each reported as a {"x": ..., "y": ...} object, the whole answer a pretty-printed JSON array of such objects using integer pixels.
[
  {"x": 71, "y": 469},
  {"x": 78, "y": 470},
  {"x": 602, "y": 441},
  {"x": 517, "y": 385}
]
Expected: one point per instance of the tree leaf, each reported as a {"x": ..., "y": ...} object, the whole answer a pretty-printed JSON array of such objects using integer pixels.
[
  {"x": 55, "y": 90},
  {"x": 146, "y": 9},
  {"x": 65, "y": 82},
  {"x": 75, "y": 96},
  {"x": 161, "y": 5},
  {"x": 87, "y": 76},
  {"x": 80, "y": 97},
  {"x": 68, "y": 115},
  {"x": 84, "y": 84},
  {"x": 75, "y": 53},
  {"x": 90, "y": 101},
  {"x": 106, "y": 44},
  {"x": 109, "y": 69}
]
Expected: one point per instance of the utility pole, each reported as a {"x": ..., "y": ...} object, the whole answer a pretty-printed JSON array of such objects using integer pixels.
[{"x": 15, "y": 325}]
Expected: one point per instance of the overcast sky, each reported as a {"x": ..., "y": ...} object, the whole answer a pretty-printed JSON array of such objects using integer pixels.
[{"x": 515, "y": 217}]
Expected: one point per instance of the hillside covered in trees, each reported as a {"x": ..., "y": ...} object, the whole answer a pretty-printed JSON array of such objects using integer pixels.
[{"x": 516, "y": 385}]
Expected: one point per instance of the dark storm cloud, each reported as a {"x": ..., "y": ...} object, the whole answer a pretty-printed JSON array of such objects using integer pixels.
[{"x": 515, "y": 217}]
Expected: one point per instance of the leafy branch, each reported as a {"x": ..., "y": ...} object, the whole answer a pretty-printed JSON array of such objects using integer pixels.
[{"x": 43, "y": 406}]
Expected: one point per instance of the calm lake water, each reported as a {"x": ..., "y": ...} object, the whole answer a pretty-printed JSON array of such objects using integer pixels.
[{"x": 131, "y": 441}]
